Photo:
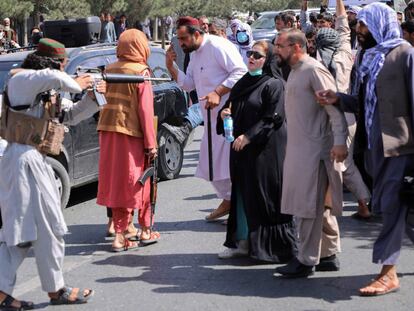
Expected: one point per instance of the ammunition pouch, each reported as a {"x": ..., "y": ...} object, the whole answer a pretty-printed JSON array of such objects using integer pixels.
[{"x": 46, "y": 134}]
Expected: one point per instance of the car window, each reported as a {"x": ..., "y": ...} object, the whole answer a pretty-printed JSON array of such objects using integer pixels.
[
  {"x": 157, "y": 65},
  {"x": 96, "y": 62},
  {"x": 264, "y": 22},
  {"x": 5, "y": 67}
]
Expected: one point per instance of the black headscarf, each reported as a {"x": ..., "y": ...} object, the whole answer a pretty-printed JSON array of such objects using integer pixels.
[
  {"x": 247, "y": 83},
  {"x": 270, "y": 66}
]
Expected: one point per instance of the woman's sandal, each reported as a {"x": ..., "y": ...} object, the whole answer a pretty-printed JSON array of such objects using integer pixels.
[
  {"x": 71, "y": 295},
  {"x": 154, "y": 238},
  {"x": 128, "y": 245},
  {"x": 134, "y": 236},
  {"x": 7, "y": 304},
  {"x": 381, "y": 285}
]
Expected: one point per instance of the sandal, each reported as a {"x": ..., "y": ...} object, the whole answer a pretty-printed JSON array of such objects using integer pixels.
[
  {"x": 6, "y": 304},
  {"x": 133, "y": 236},
  {"x": 71, "y": 295},
  {"x": 154, "y": 238},
  {"x": 381, "y": 285},
  {"x": 128, "y": 246}
]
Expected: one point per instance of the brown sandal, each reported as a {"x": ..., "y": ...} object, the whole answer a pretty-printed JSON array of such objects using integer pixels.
[{"x": 382, "y": 285}]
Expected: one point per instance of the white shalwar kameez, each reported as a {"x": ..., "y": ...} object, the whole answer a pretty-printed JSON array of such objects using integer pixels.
[
  {"x": 216, "y": 62},
  {"x": 29, "y": 196}
]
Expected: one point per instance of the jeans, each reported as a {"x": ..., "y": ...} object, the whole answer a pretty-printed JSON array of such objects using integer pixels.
[{"x": 194, "y": 115}]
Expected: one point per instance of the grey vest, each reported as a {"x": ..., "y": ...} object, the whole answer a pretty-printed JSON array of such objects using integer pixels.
[{"x": 395, "y": 103}]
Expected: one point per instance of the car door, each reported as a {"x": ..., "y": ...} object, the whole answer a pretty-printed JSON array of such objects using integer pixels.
[
  {"x": 85, "y": 139},
  {"x": 170, "y": 104}
]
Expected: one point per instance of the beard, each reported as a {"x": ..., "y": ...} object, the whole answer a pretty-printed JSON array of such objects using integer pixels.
[
  {"x": 188, "y": 49},
  {"x": 281, "y": 62},
  {"x": 353, "y": 23},
  {"x": 366, "y": 41}
]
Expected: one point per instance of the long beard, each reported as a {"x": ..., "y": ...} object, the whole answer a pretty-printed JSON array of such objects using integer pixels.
[{"x": 369, "y": 41}]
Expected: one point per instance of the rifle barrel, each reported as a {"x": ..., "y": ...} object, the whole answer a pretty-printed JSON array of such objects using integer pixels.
[{"x": 127, "y": 78}]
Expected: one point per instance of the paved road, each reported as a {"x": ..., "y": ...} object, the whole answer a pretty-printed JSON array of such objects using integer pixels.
[{"x": 182, "y": 272}]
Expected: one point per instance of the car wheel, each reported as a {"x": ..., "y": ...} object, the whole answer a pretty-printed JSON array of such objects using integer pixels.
[
  {"x": 62, "y": 180},
  {"x": 170, "y": 155}
]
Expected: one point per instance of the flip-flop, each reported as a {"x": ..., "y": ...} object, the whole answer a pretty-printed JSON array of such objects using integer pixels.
[
  {"x": 110, "y": 234},
  {"x": 134, "y": 237},
  {"x": 154, "y": 238},
  {"x": 129, "y": 246}
]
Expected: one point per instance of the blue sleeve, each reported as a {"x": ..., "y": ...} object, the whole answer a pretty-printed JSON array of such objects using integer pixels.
[{"x": 348, "y": 103}]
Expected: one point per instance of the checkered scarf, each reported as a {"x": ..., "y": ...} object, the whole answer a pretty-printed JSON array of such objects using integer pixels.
[
  {"x": 382, "y": 22},
  {"x": 327, "y": 44}
]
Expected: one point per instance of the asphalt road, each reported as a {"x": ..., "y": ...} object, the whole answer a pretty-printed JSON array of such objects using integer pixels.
[{"x": 182, "y": 271}]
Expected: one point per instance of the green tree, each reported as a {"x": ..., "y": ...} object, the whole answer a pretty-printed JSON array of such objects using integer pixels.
[
  {"x": 15, "y": 9},
  {"x": 61, "y": 9}
]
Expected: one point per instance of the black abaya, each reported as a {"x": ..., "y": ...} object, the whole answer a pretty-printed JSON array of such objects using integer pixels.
[{"x": 257, "y": 111}]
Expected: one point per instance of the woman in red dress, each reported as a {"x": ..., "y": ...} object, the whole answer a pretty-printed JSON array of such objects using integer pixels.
[{"x": 127, "y": 139}]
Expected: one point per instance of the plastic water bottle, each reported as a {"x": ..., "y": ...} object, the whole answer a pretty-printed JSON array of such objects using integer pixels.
[{"x": 228, "y": 128}]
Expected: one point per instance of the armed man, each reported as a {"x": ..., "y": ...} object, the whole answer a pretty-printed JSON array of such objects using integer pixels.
[{"x": 32, "y": 122}]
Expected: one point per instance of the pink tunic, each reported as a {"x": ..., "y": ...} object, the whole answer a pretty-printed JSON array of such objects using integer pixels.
[{"x": 122, "y": 159}]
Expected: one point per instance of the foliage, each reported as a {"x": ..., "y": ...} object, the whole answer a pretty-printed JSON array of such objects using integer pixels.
[
  {"x": 15, "y": 9},
  {"x": 137, "y": 9}
]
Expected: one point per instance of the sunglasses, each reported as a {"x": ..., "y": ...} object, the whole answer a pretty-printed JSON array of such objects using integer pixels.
[{"x": 255, "y": 54}]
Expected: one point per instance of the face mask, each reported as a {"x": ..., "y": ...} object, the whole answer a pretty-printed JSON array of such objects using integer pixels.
[
  {"x": 242, "y": 38},
  {"x": 256, "y": 72}
]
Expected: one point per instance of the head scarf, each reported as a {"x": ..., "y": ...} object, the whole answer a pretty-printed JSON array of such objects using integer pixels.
[
  {"x": 382, "y": 23},
  {"x": 327, "y": 43},
  {"x": 133, "y": 46},
  {"x": 233, "y": 23},
  {"x": 270, "y": 66},
  {"x": 354, "y": 9},
  {"x": 245, "y": 30},
  {"x": 248, "y": 83}
]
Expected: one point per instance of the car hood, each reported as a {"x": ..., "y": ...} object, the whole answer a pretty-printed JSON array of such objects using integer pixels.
[{"x": 264, "y": 34}]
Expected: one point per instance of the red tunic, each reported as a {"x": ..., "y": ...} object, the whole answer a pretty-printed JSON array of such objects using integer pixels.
[{"x": 122, "y": 159}]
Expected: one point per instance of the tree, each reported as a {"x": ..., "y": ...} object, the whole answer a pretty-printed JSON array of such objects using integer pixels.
[
  {"x": 60, "y": 9},
  {"x": 15, "y": 9}
]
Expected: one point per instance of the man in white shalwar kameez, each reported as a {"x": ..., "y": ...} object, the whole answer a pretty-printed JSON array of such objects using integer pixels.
[
  {"x": 215, "y": 66},
  {"x": 29, "y": 196}
]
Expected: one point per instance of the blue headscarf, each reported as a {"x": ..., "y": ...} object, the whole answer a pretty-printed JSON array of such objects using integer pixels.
[{"x": 382, "y": 23}]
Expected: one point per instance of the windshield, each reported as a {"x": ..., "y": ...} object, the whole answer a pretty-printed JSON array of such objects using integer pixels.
[
  {"x": 4, "y": 71},
  {"x": 266, "y": 21}
]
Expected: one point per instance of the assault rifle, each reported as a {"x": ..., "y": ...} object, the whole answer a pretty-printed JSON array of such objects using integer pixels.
[
  {"x": 99, "y": 75},
  {"x": 151, "y": 172}
]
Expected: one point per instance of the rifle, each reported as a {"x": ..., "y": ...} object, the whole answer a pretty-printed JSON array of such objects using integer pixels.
[
  {"x": 151, "y": 172},
  {"x": 98, "y": 75}
]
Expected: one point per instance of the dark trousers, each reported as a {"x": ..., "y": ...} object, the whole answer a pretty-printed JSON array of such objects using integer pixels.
[{"x": 388, "y": 176}]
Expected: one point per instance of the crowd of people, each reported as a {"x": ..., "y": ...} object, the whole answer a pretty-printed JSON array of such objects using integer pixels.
[
  {"x": 8, "y": 36},
  {"x": 297, "y": 138},
  {"x": 327, "y": 103}
]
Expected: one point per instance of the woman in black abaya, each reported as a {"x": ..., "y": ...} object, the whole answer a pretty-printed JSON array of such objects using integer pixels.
[{"x": 256, "y": 226}]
